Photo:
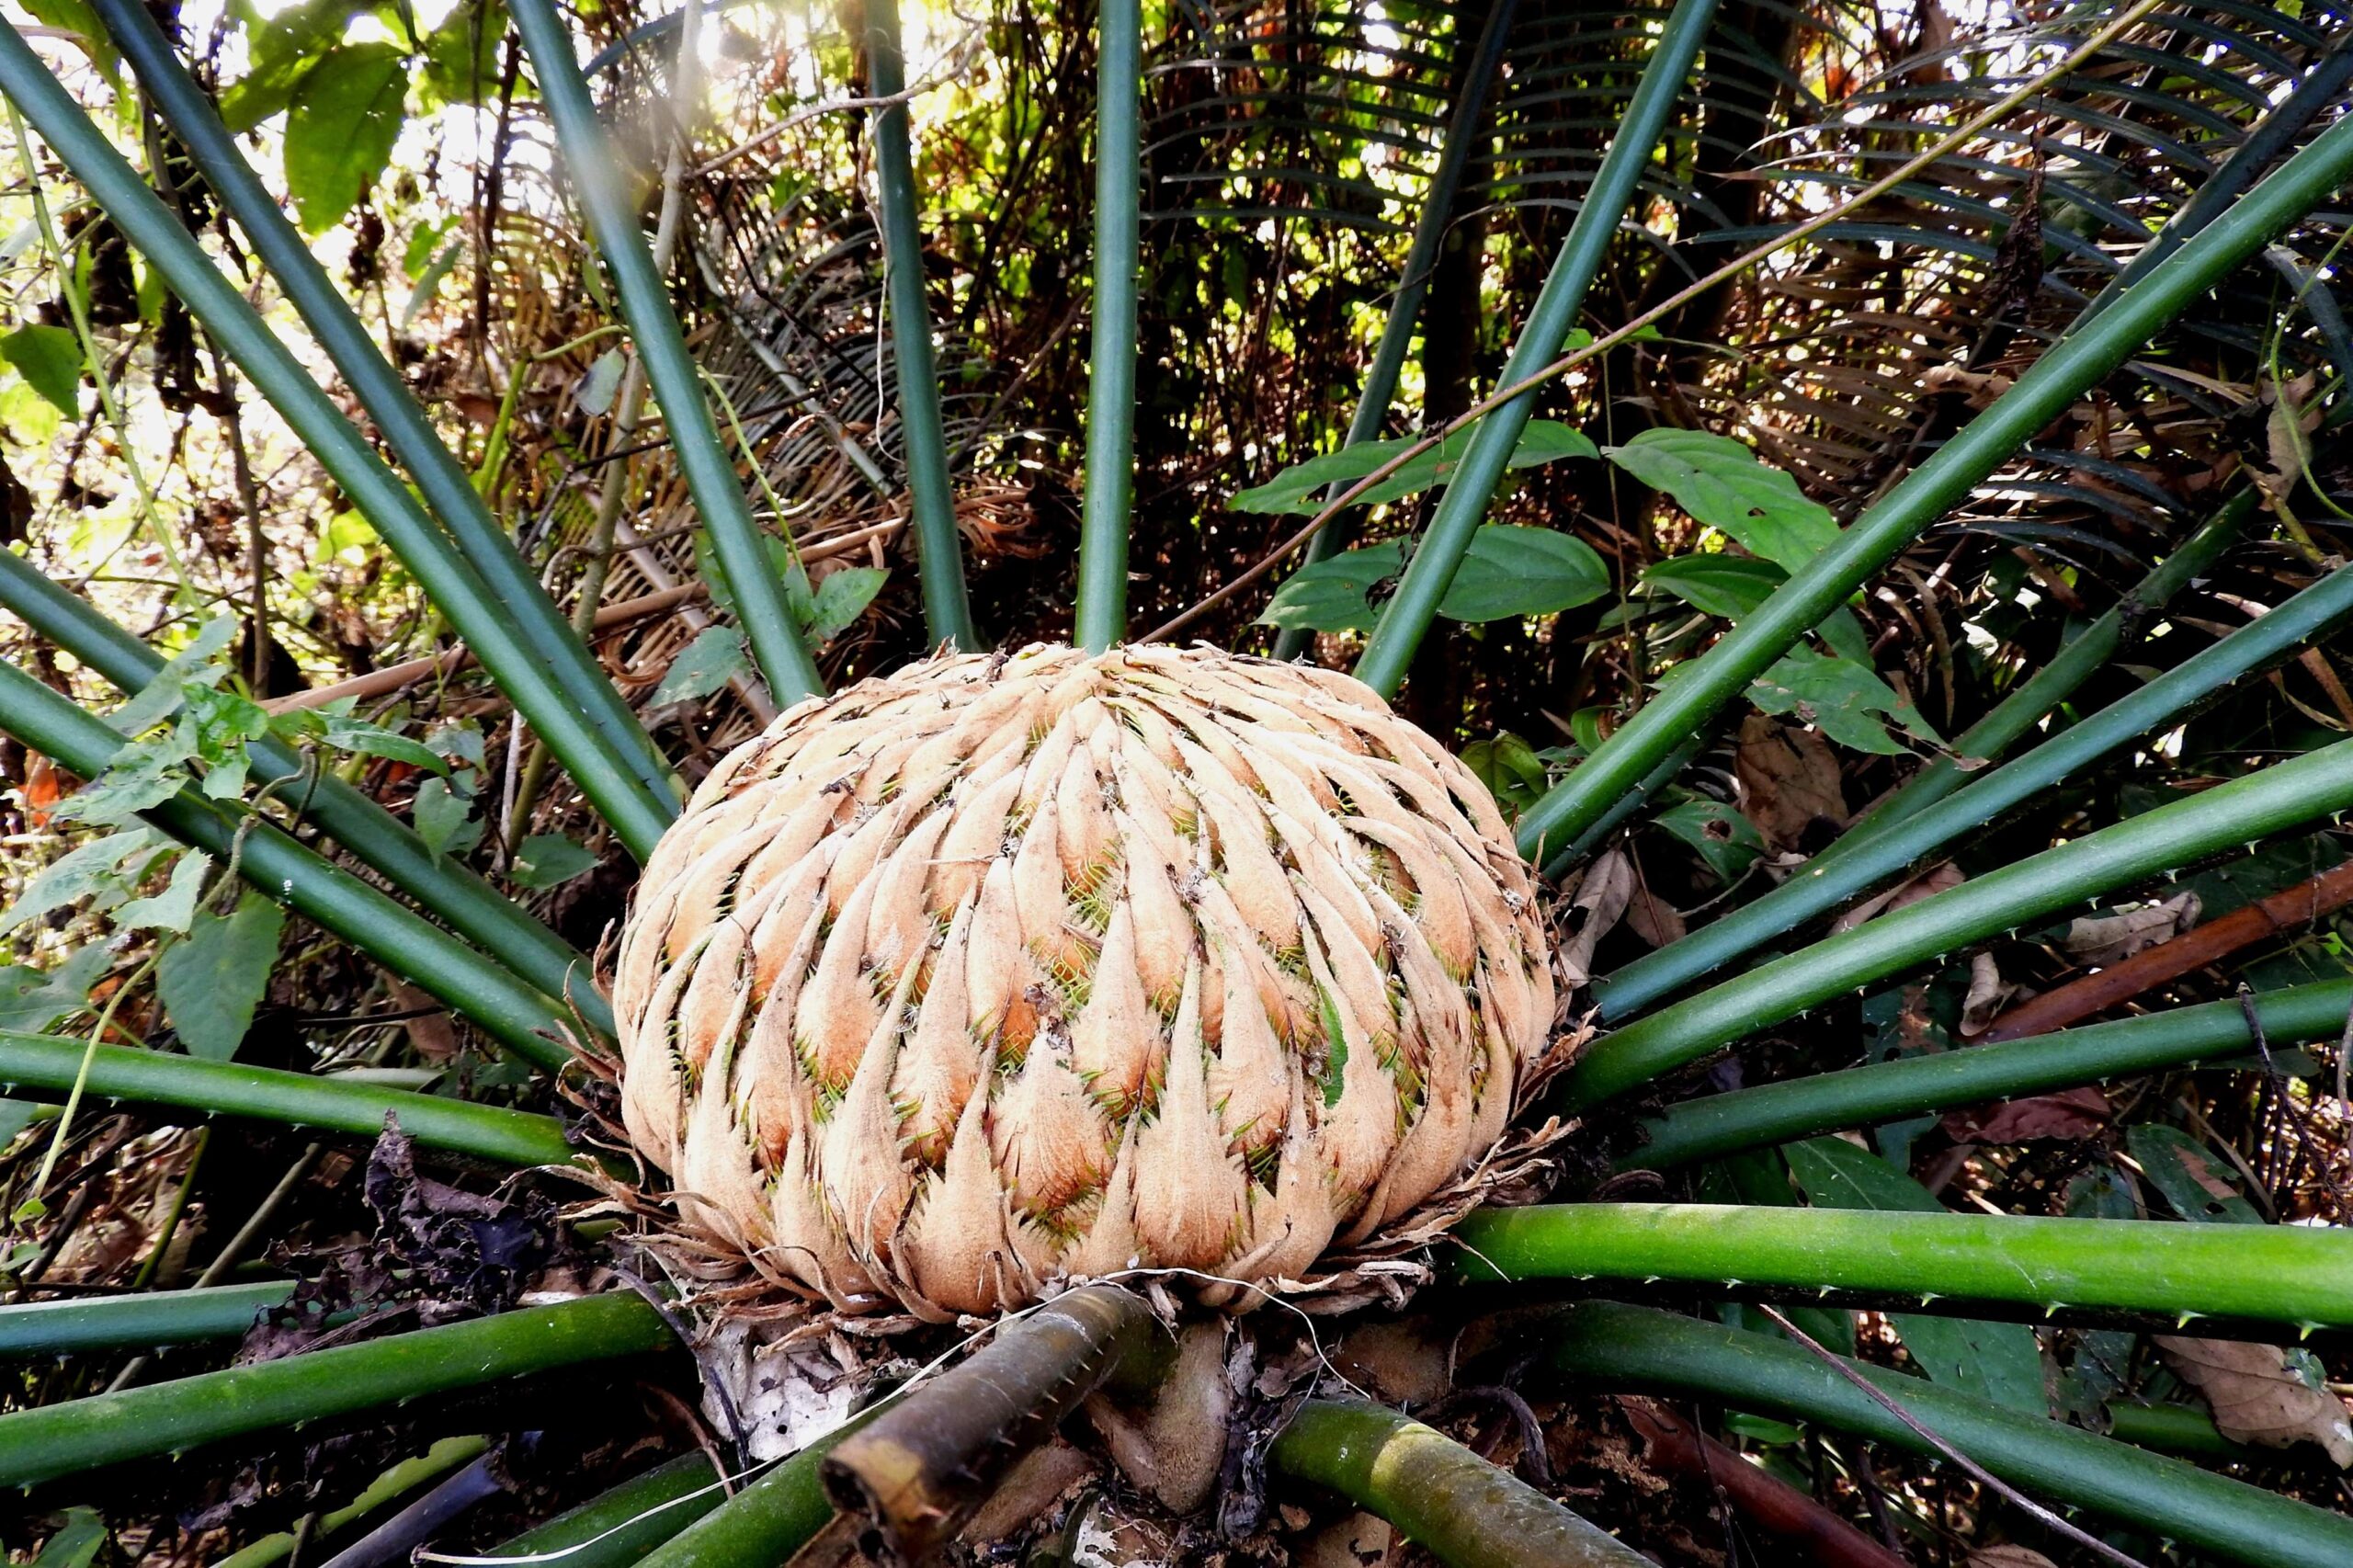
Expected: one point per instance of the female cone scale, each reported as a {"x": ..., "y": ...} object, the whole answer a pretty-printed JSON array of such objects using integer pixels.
[{"x": 1001, "y": 971}]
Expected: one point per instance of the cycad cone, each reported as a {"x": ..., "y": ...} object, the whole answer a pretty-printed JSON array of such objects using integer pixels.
[{"x": 1000, "y": 972}]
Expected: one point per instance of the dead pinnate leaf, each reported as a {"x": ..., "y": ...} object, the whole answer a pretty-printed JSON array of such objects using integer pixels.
[
  {"x": 1789, "y": 780},
  {"x": 2256, "y": 1396}
]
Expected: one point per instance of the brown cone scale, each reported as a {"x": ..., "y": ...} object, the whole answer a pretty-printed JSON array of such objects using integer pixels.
[{"x": 1000, "y": 972}]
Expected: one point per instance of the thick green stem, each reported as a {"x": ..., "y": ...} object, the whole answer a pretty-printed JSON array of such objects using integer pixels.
[
  {"x": 524, "y": 1020},
  {"x": 947, "y": 614},
  {"x": 1604, "y": 1343},
  {"x": 599, "y": 180},
  {"x": 618, "y": 1529},
  {"x": 1924, "y": 1085},
  {"x": 2289, "y": 1274},
  {"x": 2015, "y": 717},
  {"x": 379, "y": 841},
  {"x": 1437, "y": 1493},
  {"x": 1880, "y": 851},
  {"x": 147, "y": 1321},
  {"x": 767, "y": 1521},
  {"x": 1406, "y": 618},
  {"x": 55, "y": 1440},
  {"x": 2063, "y": 374},
  {"x": 504, "y": 1137},
  {"x": 1414, "y": 278},
  {"x": 453, "y": 585},
  {"x": 2151, "y": 845},
  {"x": 1101, "y": 617},
  {"x": 446, "y": 486}
]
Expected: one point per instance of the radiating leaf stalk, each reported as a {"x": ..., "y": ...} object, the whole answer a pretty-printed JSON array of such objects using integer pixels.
[
  {"x": 453, "y": 585},
  {"x": 63, "y": 1440},
  {"x": 1608, "y": 1345},
  {"x": 1478, "y": 75},
  {"x": 2075, "y": 363},
  {"x": 406, "y": 1476},
  {"x": 618, "y": 1527},
  {"x": 496, "y": 923},
  {"x": 2286, "y": 1274},
  {"x": 2150, "y": 845},
  {"x": 1407, "y": 616},
  {"x": 143, "y": 1321},
  {"x": 524, "y": 1020},
  {"x": 767, "y": 1521},
  {"x": 947, "y": 614},
  {"x": 2034, "y": 699},
  {"x": 598, "y": 177},
  {"x": 492, "y": 1133},
  {"x": 1101, "y": 616},
  {"x": 1437, "y": 1493},
  {"x": 1831, "y": 878},
  {"x": 447, "y": 489},
  {"x": 1920, "y": 1085}
]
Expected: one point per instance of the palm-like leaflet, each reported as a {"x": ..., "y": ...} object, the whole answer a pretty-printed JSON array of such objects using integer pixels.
[{"x": 509, "y": 985}]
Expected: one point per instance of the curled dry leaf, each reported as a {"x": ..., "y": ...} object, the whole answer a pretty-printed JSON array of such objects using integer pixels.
[
  {"x": 2098, "y": 941},
  {"x": 1927, "y": 884},
  {"x": 2070, "y": 1114},
  {"x": 1653, "y": 919},
  {"x": 2007, "y": 1556},
  {"x": 1789, "y": 781},
  {"x": 2256, "y": 1396},
  {"x": 1601, "y": 904},
  {"x": 1988, "y": 995}
]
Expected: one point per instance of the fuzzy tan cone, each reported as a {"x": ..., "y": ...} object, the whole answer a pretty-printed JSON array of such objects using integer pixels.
[{"x": 1001, "y": 971}]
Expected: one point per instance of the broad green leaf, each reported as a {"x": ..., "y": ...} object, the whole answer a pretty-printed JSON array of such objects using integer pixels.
[
  {"x": 140, "y": 777},
  {"x": 36, "y": 999},
  {"x": 715, "y": 657},
  {"x": 461, "y": 54},
  {"x": 358, "y": 737},
  {"x": 14, "y": 1116},
  {"x": 1511, "y": 769},
  {"x": 445, "y": 818},
  {"x": 77, "y": 17},
  {"x": 594, "y": 391},
  {"x": 168, "y": 687},
  {"x": 1510, "y": 572},
  {"x": 1726, "y": 841},
  {"x": 2000, "y": 1361},
  {"x": 1299, "y": 489},
  {"x": 1721, "y": 484},
  {"x": 428, "y": 283},
  {"x": 2198, "y": 1183},
  {"x": 1716, "y": 583},
  {"x": 172, "y": 909},
  {"x": 547, "y": 859},
  {"x": 76, "y": 1542},
  {"x": 1847, "y": 701},
  {"x": 211, "y": 982},
  {"x": 1330, "y": 595},
  {"x": 284, "y": 48},
  {"x": 341, "y": 122},
  {"x": 104, "y": 867},
  {"x": 841, "y": 599},
  {"x": 50, "y": 359}
]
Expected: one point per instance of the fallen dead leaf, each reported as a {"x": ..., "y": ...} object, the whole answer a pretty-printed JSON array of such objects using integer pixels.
[
  {"x": 2070, "y": 1114},
  {"x": 1789, "y": 780},
  {"x": 1934, "y": 880},
  {"x": 1988, "y": 995},
  {"x": 2100, "y": 940},
  {"x": 1653, "y": 919},
  {"x": 2294, "y": 414},
  {"x": 1601, "y": 900},
  {"x": 2009, "y": 1557},
  {"x": 2258, "y": 1398}
]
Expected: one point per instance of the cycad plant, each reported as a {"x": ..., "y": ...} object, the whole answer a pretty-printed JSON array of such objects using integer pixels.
[{"x": 1013, "y": 1062}]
